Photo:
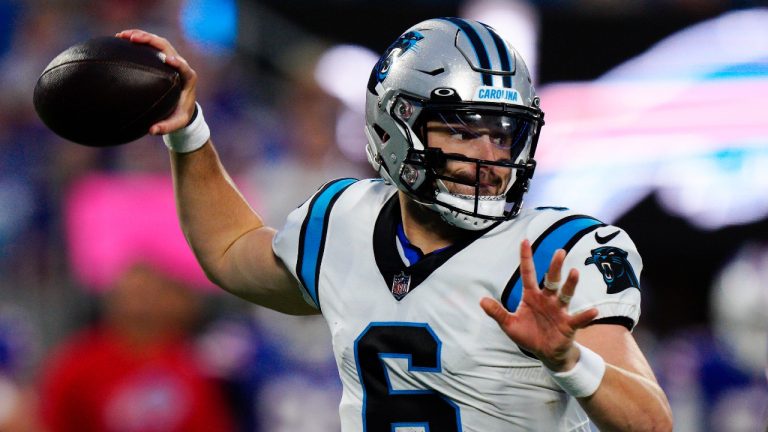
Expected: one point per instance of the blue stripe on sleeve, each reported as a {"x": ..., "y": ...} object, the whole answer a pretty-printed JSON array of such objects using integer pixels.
[
  {"x": 313, "y": 236},
  {"x": 551, "y": 241}
]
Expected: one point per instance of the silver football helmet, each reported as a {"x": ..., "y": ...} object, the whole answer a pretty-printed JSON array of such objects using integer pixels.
[{"x": 454, "y": 81}]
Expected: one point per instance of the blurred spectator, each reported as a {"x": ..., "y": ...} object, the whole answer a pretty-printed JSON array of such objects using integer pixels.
[
  {"x": 716, "y": 379},
  {"x": 137, "y": 368},
  {"x": 309, "y": 155},
  {"x": 280, "y": 371},
  {"x": 738, "y": 390},
  {"x": 18, "y": 408},
  {"x": 18, "y": 346},
  {"x": 135, "y": 371}
]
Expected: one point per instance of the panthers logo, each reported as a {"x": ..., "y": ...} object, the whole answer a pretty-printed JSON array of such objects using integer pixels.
[
  {"x": 402, "y": 44},
  {"x": 617, "y": 271}
]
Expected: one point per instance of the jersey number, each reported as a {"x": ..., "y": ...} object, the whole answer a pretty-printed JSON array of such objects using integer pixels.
[{"x": 386, "y": 409}]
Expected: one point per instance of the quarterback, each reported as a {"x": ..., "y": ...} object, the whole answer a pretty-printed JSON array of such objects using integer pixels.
[{"x": 451, "y": 307}]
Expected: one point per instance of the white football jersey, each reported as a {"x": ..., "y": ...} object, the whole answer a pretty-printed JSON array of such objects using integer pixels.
[{"x": 415, "y": 351}]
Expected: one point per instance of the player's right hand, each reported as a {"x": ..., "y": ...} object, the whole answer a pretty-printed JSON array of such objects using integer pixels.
[{"x": 182, "y": 115}]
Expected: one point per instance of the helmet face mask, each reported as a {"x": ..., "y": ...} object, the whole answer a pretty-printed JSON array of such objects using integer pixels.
[{"x": 441, "y": 135}]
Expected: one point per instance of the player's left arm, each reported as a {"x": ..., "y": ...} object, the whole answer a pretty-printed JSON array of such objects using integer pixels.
[
  {"x": 625, "y": 395},
  {"x": 629, "y": 397},
  {"x": 609, "y": 266}
]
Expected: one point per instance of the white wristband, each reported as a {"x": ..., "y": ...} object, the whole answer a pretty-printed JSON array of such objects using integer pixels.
[
  {"x": 584, "y": 379},
  {"x": 190, "y": 138}
]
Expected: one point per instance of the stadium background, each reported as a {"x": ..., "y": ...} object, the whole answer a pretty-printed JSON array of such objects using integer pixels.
[{"x": 656, "y": 122}]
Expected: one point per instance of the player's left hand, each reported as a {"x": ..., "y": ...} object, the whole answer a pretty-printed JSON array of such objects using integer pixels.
[{"x": 542, "y": 324}]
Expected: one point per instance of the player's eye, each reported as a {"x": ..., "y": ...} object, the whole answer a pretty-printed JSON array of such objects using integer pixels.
[
  {"x": 501, "y": 139},
  {"x": 462, "y": 135}
]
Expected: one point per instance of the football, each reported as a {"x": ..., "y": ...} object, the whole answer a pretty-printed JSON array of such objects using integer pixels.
[{"x": 106, "y": 91}]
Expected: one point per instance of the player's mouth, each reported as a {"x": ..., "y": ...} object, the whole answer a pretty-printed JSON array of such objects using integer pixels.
[{"x": 490, "y": 184}]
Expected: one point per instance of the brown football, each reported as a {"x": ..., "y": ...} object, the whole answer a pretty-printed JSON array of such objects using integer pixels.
[{"x": 106, "y": 91}]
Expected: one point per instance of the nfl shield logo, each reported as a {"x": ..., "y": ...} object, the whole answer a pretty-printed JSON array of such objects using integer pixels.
[{"x": 401, "y": 284}]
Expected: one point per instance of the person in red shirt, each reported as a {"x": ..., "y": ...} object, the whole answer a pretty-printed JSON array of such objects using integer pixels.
[{"x": 135, "y": 371}]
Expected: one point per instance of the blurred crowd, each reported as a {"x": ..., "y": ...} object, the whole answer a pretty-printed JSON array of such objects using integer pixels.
[
  {"x": 144, "y": 348},
  {"x": 119, "y": 341}
]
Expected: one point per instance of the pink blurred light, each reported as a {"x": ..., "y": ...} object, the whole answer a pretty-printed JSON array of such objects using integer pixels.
[
  {"x": 113, "y": 222},
  {"x": 648, "y": 121}
]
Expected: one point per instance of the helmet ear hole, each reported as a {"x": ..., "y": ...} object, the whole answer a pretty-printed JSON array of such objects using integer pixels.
[{"x": 381, "y": 133}]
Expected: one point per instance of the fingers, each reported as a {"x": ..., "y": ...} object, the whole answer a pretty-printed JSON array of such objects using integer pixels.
[
  {"x": 582, "y": 319},
  {"x": 186, "y": 105},
  {"x": 495, "y": 310},
  {"x": 172, "y": 123},
  {"x": 553, "y": 288},
  {"x": 151, "y": 39},
  {"x": 172, "y": 57},
  {"x": 180, "y": 64},
  {"x": 552, "y": 277},
  {"x": 527, "y": 268},
  {"x": 126, "y": 34},
  {"x": 569, "y": 287}
]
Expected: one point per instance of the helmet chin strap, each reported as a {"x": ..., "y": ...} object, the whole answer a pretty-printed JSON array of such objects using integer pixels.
[
  {"x": 486, "y": 205},
  {"x": 461, "y": 220}
]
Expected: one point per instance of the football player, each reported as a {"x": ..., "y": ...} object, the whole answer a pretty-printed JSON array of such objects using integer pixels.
[{"x": 402, "y": 267}]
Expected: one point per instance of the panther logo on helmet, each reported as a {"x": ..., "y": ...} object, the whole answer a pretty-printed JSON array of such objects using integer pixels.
[{"x": 403, "y": 44}]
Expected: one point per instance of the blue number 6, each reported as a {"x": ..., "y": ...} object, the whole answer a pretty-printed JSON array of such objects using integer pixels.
[{"x": 386, "y": 409}]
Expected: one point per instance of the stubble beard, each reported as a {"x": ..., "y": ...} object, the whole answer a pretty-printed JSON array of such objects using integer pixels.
[{"x": 432, "y": 221}]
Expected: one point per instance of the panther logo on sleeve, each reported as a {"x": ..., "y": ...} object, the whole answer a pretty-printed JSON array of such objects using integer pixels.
[{"x": 616, "y": 270}]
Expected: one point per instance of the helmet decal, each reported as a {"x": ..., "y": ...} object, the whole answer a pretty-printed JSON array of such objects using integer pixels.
[
  {"x": 404, "y": 43},
  {"x": 501, "y": 47},
  {"x": 477, "y": 44},
  {"x": 496, "y": 94}
]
